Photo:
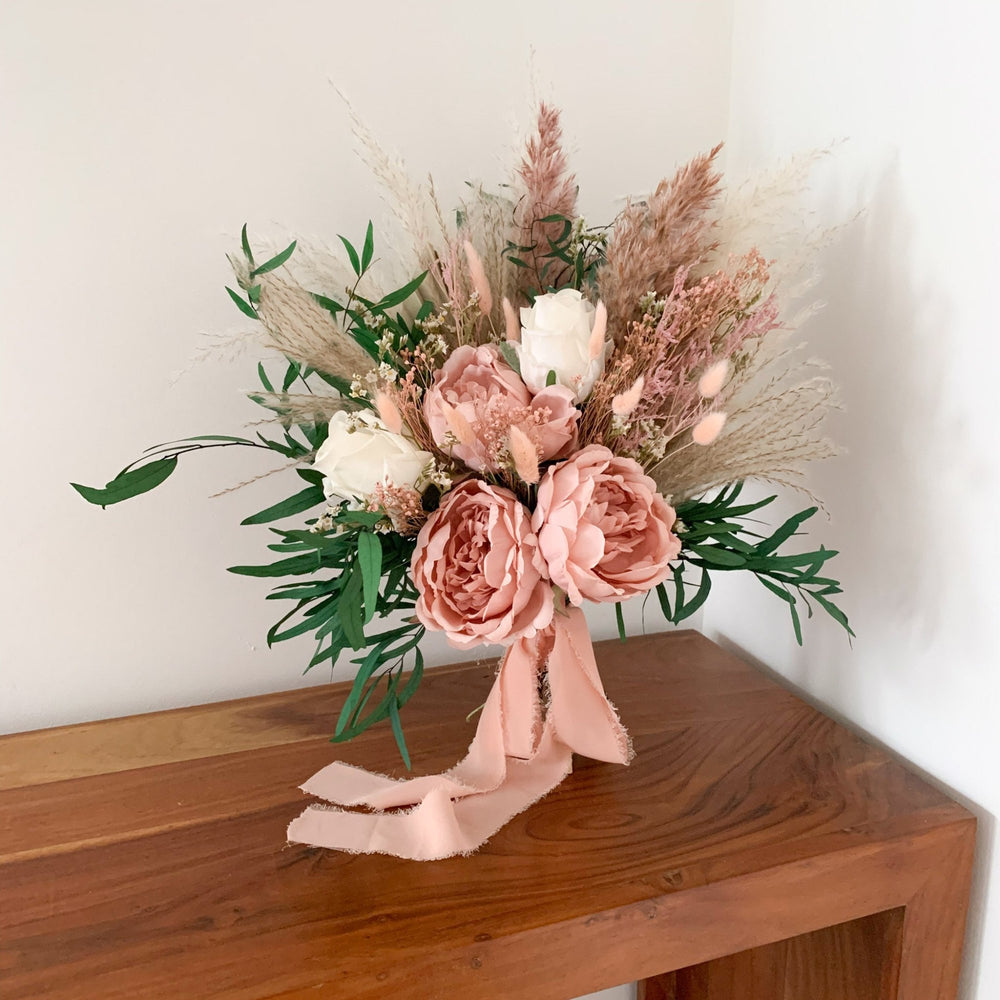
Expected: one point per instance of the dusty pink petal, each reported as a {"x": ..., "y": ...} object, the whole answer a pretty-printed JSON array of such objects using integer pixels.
[
  {"x": 603, "y": 529},
  {"x": 557, "y": 434},
  {"x": 477, "y": 569},
  {"x": 476, "y": 384}
]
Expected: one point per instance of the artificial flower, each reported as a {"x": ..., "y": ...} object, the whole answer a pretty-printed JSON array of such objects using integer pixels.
[
  {"x": 477, "y": 569},
  {"x": 556, "y": 338},
  {"x": 603, "y": 529},
  {"x": 360, "y": 453},
  {"x": 477, "y": 397}
]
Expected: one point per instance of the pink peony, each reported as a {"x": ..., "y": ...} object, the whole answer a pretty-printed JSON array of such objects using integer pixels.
[
  {"x": 477, "y": 397},
  {"x": 477, "y": 569},
  {"x": 603, "y": 529}
]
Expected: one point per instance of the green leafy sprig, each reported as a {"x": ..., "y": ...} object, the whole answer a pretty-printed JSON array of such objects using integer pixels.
[
  {"x": 355, "y": 574},
  {"x": 571, "y": 259},
  {"x": 715, "y": 537}
]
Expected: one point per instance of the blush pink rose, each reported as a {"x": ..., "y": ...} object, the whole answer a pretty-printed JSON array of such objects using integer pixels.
[
  {"x": 603, "y": 529},
  {"x": 477, "y": 569},
  {"x": 487, "y": 397}
]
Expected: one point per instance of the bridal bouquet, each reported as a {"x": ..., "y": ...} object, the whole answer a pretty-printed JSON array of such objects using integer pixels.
[{"x": 522, "y": 413}]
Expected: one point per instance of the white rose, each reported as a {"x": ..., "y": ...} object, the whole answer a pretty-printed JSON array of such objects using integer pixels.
[
  {"x": 555, "y": 337},
  {"x": 360, "y": 453}
]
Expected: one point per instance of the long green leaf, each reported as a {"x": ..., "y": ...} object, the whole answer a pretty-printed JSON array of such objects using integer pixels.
[
  {"x": 245, "y": 243},
  {"x": 306, "y": 563},
  {"x": 349, "y": 611},
  {"x": 718, "y": 556},
  {"x": 397, "y": 732},
  {"x": 701, "y": 595},
  {"x": 353, "y": 254},
  {"x": 785, "y": 531},
  {"x": 402, "y": 294},
  {"x": 129, "y": 484},
  {"x": 286, "y": 508},
  {"x": 276, "y": 261},
  {"x": 242, "y": 304},
  {"x": 369, "y": 248},
  {"x": 370, "y": 560}
]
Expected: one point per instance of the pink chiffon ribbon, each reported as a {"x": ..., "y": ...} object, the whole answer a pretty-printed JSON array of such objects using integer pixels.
[{"x": 520, "y": 752}]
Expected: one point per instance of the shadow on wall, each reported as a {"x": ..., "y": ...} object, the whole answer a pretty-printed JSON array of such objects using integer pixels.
[
  {"x": 881, "y": 333},
  {"x": 911, "y": 503},
  {"x": 908, "y": 461}
]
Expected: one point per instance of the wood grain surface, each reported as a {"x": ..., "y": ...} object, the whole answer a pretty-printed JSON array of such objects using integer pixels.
[{"x": 752, "y": 841}]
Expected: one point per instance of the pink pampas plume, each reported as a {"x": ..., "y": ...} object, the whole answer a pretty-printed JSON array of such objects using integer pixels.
[
  {"x": 513, "y": 323},
  {"x": 546, "y": 188},
  {"x": 479, "y": 281},
  {"x": 625, "y": 402},
  {"x": 708, "y": 428},
  {"x": 389, "y": 412},
  {"x": 711, "y": 382},
  {"x": 524, "y": 454},
  {"x": 596, "y": 345}
]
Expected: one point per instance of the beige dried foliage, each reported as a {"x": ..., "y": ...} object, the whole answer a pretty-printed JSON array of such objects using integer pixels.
[
  {"x": 300, "y": 328},
  {"x": 486, "y": 222},
  {"x": 264, "y": 475},
  {"x": 771, "y": 434},
  {"x": 303, "y": 408},
  {"x": 414, "y": 208},
  {"x": 654, "y": 238}
]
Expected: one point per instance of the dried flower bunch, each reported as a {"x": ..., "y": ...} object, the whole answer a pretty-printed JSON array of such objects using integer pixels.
[{"x": 536, "y": 413}]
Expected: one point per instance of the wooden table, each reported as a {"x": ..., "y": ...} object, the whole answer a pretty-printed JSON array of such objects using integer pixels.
[{"x": 754, "y": 849}]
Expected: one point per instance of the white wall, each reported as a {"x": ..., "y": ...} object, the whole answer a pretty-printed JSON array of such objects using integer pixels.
[
  {"x": 911, "y": 331},
  {"x": 135, "y": 139}
]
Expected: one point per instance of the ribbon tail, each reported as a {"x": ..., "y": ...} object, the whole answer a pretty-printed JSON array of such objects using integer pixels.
[
  {"x": 513, "y": 760},
  {"x": 580, "y": 711},
  {"x": 506, "y": 727},
  {"x": 439, "y": 827}
]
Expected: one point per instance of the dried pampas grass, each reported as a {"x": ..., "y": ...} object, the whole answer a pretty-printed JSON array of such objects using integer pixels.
[
  {"x": 654, "y": 239},
  {"x": 301, "y": 329}
]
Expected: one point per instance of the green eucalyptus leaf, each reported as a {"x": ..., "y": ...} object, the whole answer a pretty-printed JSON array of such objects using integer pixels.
[
  {"x": 785, "y": 531},
  {"x": 242, "y": 304},
  {"x": 245, "y": 243},
  {"x": 796, "y": 623},
  {"x": 369, "y": 248},
  {"x": 402, "y": 294},
  {"x": 370, "y": 560},
  {"x": 306, "y": 563},
  {"x": 397, "y": 732},
  {"x": 313, "y": 476},
  {"x": 276, "y": 261},
  {"x": 509, "y": 353},
  {"x": 262, "y": 375},
  {"x": 352, "y": 254},
  {"x": 129, "y": 484},
  {"x": 776, "y": 589},
  {"x": 286, "y": 508},
  {"x": 718, "y": 556}
]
